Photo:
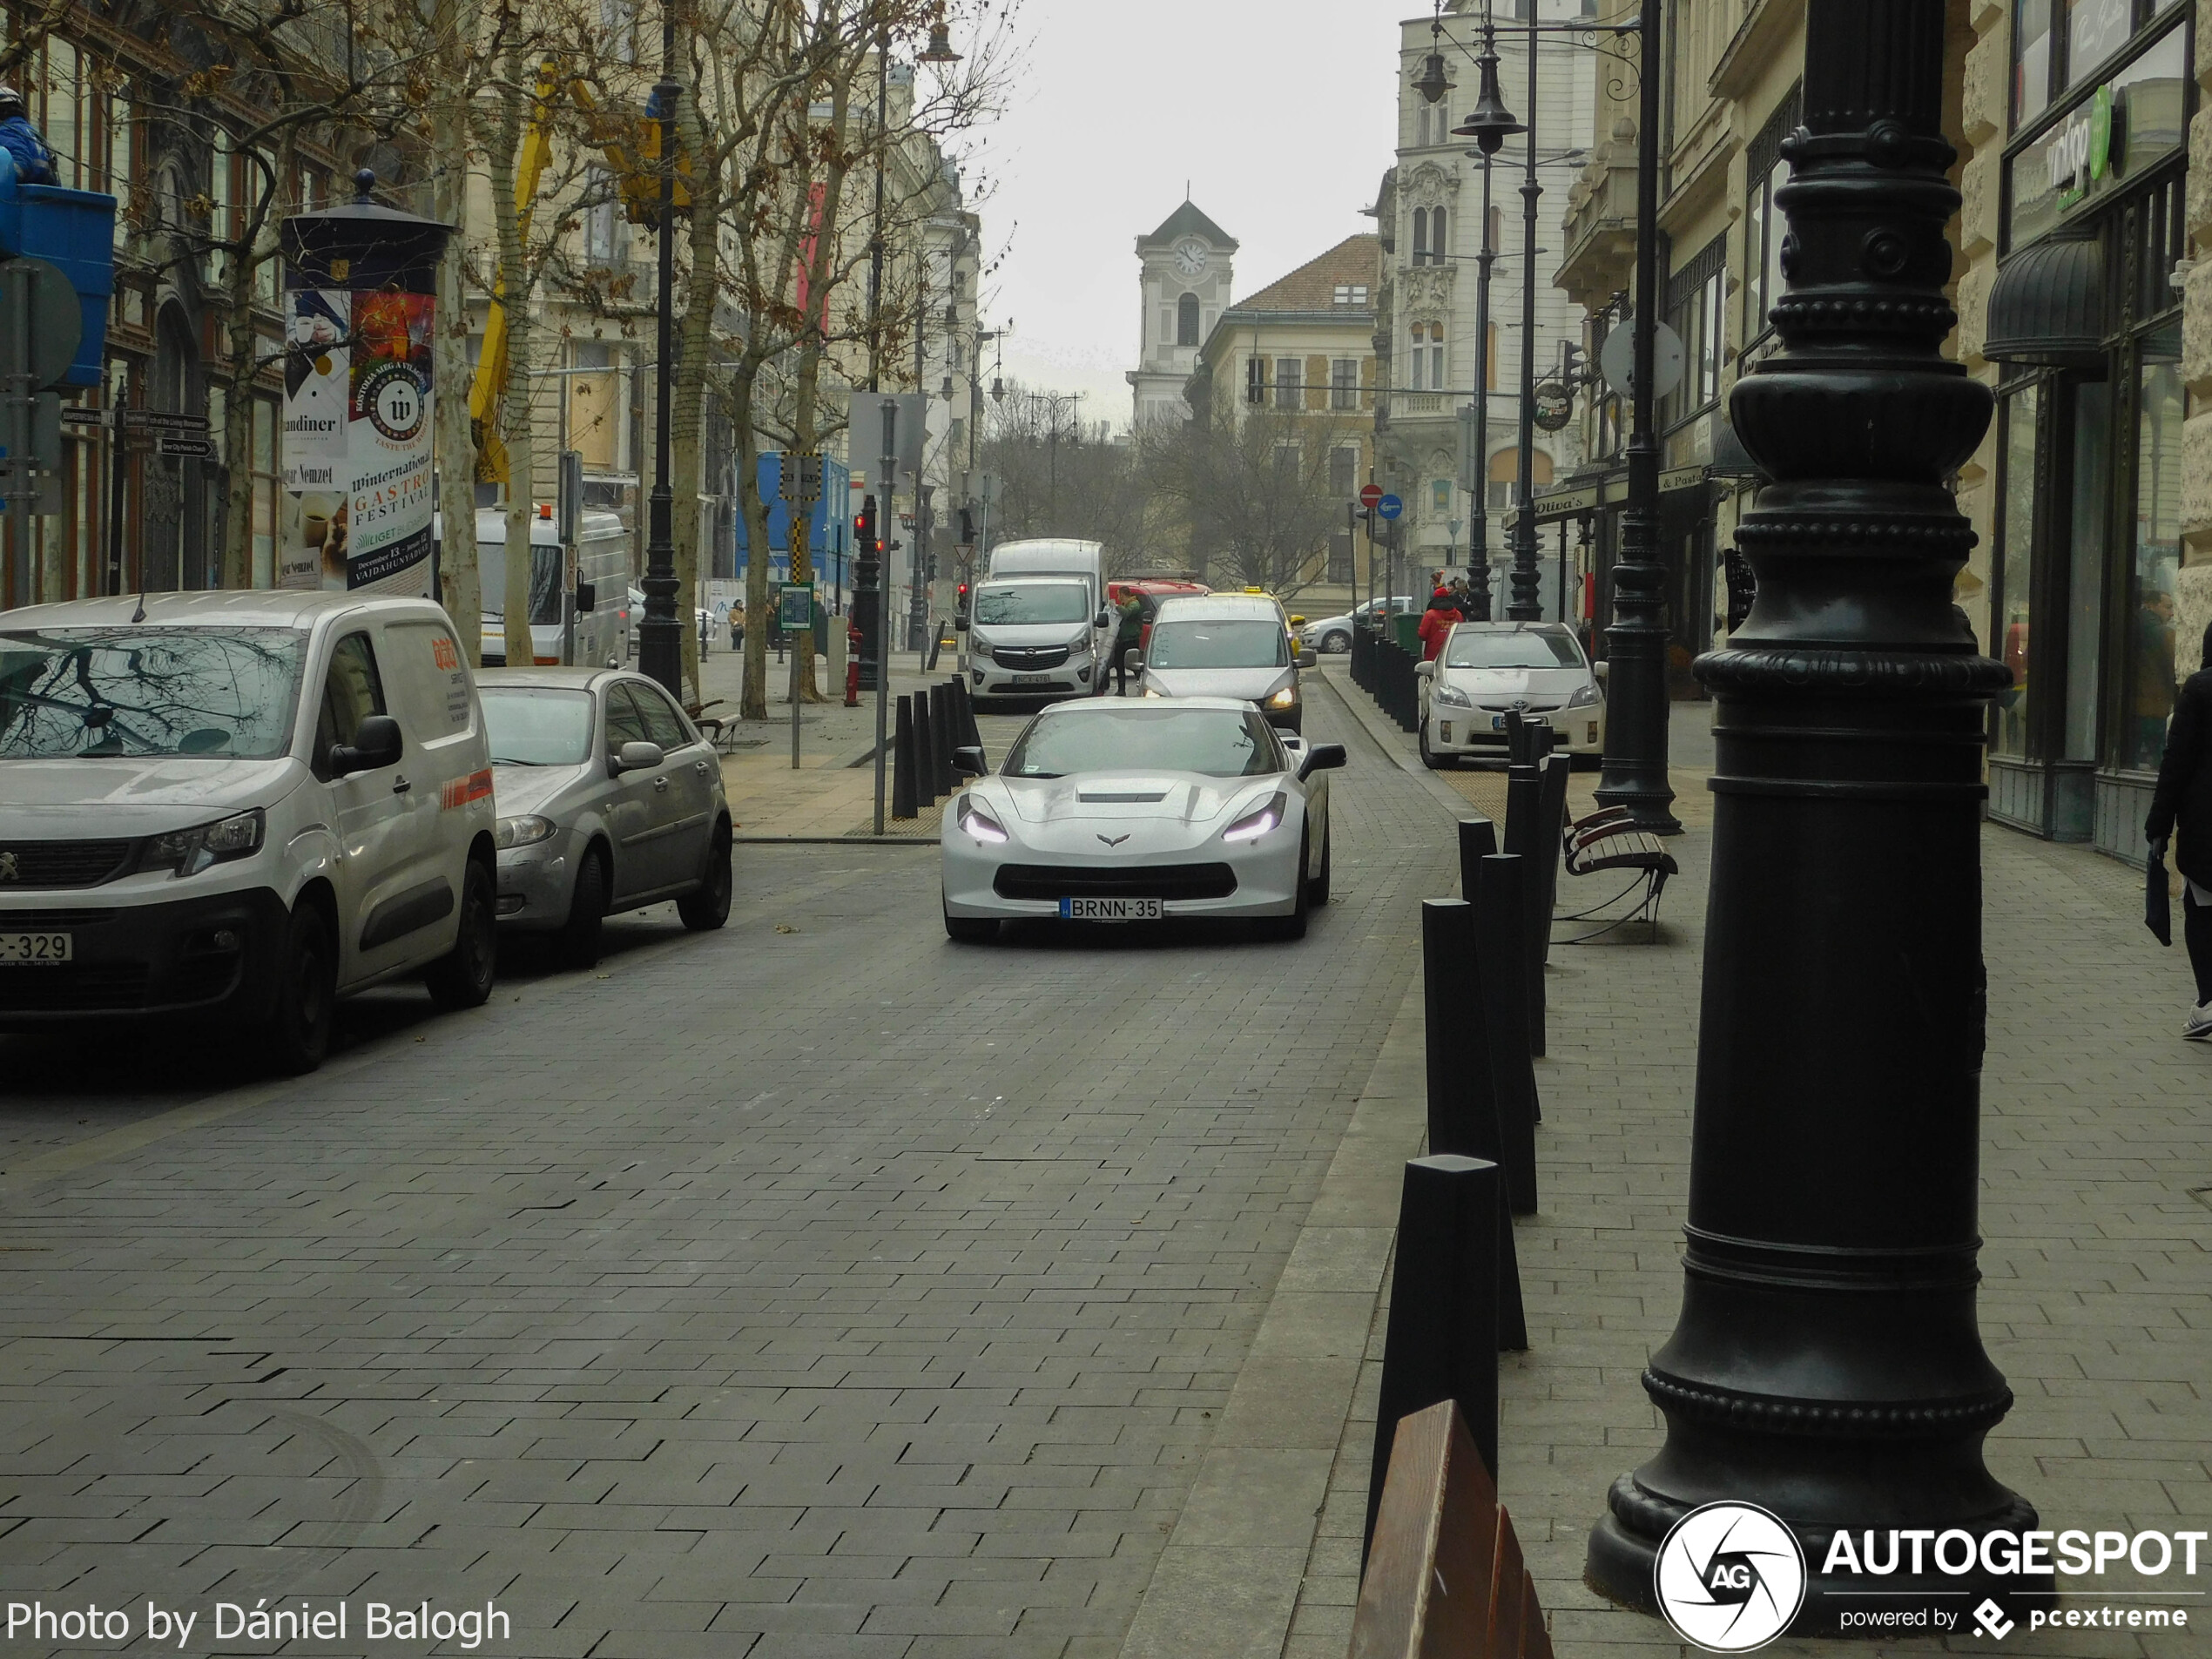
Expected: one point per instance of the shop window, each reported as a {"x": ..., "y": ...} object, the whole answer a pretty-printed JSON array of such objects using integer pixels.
[
  {"x": 2094, "y": 29},
  {"x": 1763, "y": 224},
  {"x": 2089, "y": 508},
  {"x": 2015, "y": 556},
  {"x": 2031, "y": 58},
  {"x": 2157, "y": 559},
  {"x": 2065, "y": 46}
]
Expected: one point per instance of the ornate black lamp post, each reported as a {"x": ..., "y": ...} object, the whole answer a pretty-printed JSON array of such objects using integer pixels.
[
  {"x": 1526, "y": 603},
  {"x": 660, "y": 637},
  {"x": 1489, "y": 124},
  {"x": 1635, "y": 643},
  {"x": 1827, "y": 1364}
]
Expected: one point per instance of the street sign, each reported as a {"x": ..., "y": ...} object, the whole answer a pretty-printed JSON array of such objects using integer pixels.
[
  {"x": 163, "y": 421},
  {"x": 1554, "y": 406},
  {"x": 77, "y": 414},
  {"x": 1370, "y": 496},
  {"x": 51, "y": 316},
  {"x": 1390, "y": 506},
  {"x": 799, "y": 480},
  {"x": 1617, "y": 359},
  {"x": 183, "y": 443},
  {"x": 794, "y": 607}
]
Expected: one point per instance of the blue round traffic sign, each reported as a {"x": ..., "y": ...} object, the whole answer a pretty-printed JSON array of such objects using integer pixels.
[{"x": 1390, "y": 507}]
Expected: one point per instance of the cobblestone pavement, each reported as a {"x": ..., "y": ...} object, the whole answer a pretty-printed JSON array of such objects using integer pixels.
[
  {"x": 813, "y": 1287},
  {"x": 2096, "y": 1300}
]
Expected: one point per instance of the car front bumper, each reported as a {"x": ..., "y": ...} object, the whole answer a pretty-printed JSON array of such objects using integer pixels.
[
  {"x": 1469, "y": 732},
  {"x": 536, "y": 884},
  {"x": 1077, "y": 676},
  {"x": 217, "y": 955},
  {"x": 1012, "y": 880}
]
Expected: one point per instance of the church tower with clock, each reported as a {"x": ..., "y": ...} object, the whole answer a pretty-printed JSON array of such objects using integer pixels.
[{"x": 1185, "y": 284}]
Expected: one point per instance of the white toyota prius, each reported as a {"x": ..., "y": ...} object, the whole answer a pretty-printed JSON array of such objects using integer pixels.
[{"x": 1109, "y": 812}]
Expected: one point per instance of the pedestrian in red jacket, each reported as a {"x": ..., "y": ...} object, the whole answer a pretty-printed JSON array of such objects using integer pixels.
[{"x": 1437, "y": 621}]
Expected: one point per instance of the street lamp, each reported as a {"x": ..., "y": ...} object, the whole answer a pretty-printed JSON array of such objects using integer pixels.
[
  {"x": 1826, "y": 1363},
  {"x": 1635, "y": 643},
  {"x": 660, "y": 637},
  {"x": 1489, "y": 124}
]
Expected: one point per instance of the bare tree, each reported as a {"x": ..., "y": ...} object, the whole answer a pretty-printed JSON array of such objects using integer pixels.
[
  {"x": 1058, "y": 475},
  {"x": 1255, "y": 494}
]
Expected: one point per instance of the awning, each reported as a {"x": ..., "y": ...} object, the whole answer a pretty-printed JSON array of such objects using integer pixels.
[{"x": 2048, "y": 304}]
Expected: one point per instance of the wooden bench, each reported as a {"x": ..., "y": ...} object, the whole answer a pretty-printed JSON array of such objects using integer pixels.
[{"x": 1609, "y": 839}]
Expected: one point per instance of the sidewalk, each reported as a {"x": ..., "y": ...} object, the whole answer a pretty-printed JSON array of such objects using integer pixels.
[{"x": 2096, "y": 1302}]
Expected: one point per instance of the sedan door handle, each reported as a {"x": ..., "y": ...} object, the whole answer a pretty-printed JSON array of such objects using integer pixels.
[
  {"x": 701, "y": 767},
  {"x": 399, "y": 785},
  {"x": 660, "y": 785}
]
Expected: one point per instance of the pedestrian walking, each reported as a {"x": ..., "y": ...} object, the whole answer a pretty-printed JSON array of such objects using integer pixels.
[
  {"x": 1463, "y": 598},
  {"x": 736, "y": 625},
  {"x": 1437, "y": 622},
  {"x": 1128, "y": 634},
  {"x": 2183, "y": 801}
]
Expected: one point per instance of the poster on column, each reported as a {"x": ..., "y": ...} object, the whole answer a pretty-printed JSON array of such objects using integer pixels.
[{"x": 357, "y": 452}]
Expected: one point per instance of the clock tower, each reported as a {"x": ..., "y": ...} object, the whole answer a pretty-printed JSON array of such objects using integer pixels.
[{"x": 1185, "y": 285}]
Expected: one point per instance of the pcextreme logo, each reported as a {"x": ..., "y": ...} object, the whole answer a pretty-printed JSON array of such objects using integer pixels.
[{"x": 1729, "y": 1577}]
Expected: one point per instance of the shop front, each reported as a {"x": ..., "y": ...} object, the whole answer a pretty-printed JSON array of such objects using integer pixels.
[{"x": 2085, "y": 320}]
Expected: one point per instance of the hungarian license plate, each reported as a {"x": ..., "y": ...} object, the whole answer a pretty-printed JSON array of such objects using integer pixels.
[
  {"x": 36, "y": 950},
  {"x": 1497, "y": 723},
  {"x": 1110, "y": 910},
  {"x": 1033, "y": 679}
]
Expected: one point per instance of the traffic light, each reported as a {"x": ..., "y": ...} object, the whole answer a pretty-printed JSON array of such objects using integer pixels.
[{"x": 864, "y": 541}]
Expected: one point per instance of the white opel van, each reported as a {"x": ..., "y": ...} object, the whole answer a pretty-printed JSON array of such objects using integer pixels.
[
  {"x": 236, "y": 808},
  {"x": 1068, "y": 654}
]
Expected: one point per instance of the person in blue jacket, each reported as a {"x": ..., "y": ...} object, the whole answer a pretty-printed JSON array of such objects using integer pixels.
[{"x": 34, "y": 161}]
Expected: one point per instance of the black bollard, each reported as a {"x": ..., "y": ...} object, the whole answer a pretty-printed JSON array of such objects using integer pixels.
[
  {"x": 1552, "y": 773},
  {"x": 1498, "y": 911},
  {"x": 1516, "y": 738},
  {"x": 1462, "y": 1102},
  {"x": 1442, "y": 1342},
  {"x": 1525, "y": 835},
  {"x": 925, "y": 753},
  {"x": 1478, "y": 840},
  {"x": 902, "y": 762},
  {"x": 941, "y": 738}
]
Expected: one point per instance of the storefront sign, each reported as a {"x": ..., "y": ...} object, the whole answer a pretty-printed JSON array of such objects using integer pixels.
[{"x": 2112, "y": 134}]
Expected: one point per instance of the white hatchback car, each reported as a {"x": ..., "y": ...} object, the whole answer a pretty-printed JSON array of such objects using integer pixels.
[
  {"x": 1489, "y": 670},
  {"x": 238, "y": 806}
]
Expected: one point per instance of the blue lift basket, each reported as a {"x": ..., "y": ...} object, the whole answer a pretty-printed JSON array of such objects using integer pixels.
[{"x": 73, "y": 230}]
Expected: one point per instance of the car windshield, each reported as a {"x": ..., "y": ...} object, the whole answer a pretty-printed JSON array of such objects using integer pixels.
[
  {"x": 1512, "y": 648},
  {"x": 227, "y": 694},
  {"x": 1245, "y": 643},
  {"x": 1032, "y": 602},
  {"x": 530, "y": 726},
  {"x": 1221, "y": 743}
]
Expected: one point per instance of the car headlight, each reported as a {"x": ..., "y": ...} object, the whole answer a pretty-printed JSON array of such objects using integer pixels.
[
  {"x": 1286, "y": 698},
  {"x": 1584, "y": 697},
  {"x": 525, "y": 831},
  {"x": 189, "y": 851},
  {"x": 1253, "y": 825},
  {"x": 977, "y": 640},
  {"x": 1451, "y": 698},
  {"x": 1079, "y": 644},
  {"x": 978, "y": 822}
]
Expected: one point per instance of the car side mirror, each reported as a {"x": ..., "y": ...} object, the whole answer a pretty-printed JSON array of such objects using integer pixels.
[
  {"x": 1322, "y": 757},
  {"x": 968, "y": 762},
  {"x": 1308, "y": 657},
  {"x": 1133, "y": 660},
  {"x": 1298, "y": 622},
  {"x": 376, "y": 744},
  {"x": 634, "y": 756},
  {"x": 1424, "y": 671},
  {"x": 587, "y": 598},
  {"x": 1602, "y": 669}
]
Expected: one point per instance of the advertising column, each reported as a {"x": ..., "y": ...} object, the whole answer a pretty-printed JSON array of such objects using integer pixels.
[{"x": 358, "y": 306}]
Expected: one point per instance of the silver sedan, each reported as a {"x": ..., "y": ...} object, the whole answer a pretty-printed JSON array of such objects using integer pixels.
[{"x": 608, "y": 799}]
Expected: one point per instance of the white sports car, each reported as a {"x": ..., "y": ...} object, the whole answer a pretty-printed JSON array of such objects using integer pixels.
[{"x": 1139, "y": 810}]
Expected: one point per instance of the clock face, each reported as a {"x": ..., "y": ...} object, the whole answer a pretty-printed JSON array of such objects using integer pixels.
[{"x": 1190, "y": 258}]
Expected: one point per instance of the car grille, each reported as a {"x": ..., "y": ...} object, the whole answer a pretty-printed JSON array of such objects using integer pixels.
[
  {"x": 1140, "y": 881},
  {"x": 1028, "y": 659},
  {"x": 1530, "y": 711},
  {"x": 62, "y": 864},
  {"x": 73, "y": 988}
]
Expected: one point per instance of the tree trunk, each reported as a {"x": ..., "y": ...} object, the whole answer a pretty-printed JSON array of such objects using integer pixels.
[
  {"x": 753, "y": 701},
  {"x": 459, "y": 584},
  {"x": 515, "y": 423},
  {"x": 237, "y": 430},
  {"x": 687, "y": 416}
]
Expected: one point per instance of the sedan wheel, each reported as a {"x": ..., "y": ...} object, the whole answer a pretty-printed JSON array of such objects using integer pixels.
[
  {"x": 707, "y": 907},
  {"x": 1336, "y": 643},
  {"x": 1430, "y": 759},
  {"x": 587, "y": 910}
]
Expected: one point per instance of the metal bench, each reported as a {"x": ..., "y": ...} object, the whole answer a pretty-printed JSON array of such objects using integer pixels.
[{"x": 1609, "y": 839}]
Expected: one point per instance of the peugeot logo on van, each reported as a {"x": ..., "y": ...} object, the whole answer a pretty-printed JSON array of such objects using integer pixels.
[{"x": 8, "y": 870}]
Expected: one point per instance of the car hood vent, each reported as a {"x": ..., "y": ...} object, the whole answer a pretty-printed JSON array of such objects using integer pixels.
[{"x": 1120, "y": 798}]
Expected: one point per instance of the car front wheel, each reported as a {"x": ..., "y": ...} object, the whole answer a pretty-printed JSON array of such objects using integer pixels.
[
  {"x": 306, "y": 1001},
  {"x": 463, "y": 977}
]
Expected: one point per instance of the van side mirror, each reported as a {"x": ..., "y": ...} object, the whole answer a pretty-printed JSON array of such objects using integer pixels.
[
  {"x": 1308, "y": 657},
  {"x": 968, "y": 762},
  {"x": 587, "y": 597},
  {"x": 1104, "y": 618},
  {"x": 1321, "y": 756},
  {"x": 1133, "y": 661},
  {"x": 376, "y": 744},
  {"x": 634, "y": 756}
]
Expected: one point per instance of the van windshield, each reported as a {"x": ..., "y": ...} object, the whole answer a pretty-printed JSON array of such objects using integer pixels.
[
  {"x": 545, "y": 582},
  {"x": 226, "y": 694},
  {"x": 1032, "y": 602}
]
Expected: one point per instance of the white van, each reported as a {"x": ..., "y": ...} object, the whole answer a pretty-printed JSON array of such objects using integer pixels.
[
  {"x": 1033, "y": 637},
  {"x": 1066, "y": 558},
  {"x": 602, "y": 619},
  {"x": 236, "y": 808}
]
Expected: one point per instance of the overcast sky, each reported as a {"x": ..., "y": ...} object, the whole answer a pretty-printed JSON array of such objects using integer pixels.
[{"x": 1280, "y": 113}]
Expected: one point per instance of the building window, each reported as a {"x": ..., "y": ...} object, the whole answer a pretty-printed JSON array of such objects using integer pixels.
[
  {"x": 2157, "y": 552},
  {"x": 1505, "y": 475},
  {"x": 1694, "y": 311},
  {"x": 1290, "y": 382},
  {"x": 1343, "y": 471},
  {"x": 1420, "y": 236},
  {"x": 1439, "y": 243},
  {"x": 2062, "y": 44},
  {"x": 1340, "y": 558},
  {"x": 603, "y": 236},
  {"x": 1763, "y": 225},
  {"x": 1351, "y": 293},
  {"x": 1186, "y": 320},
  {"x": 1440, "y": 501},
  {"x": 1256, "y": 380},
  {"x": 1344, "y": 383},
  {"x": 1426, "y": 362}
]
